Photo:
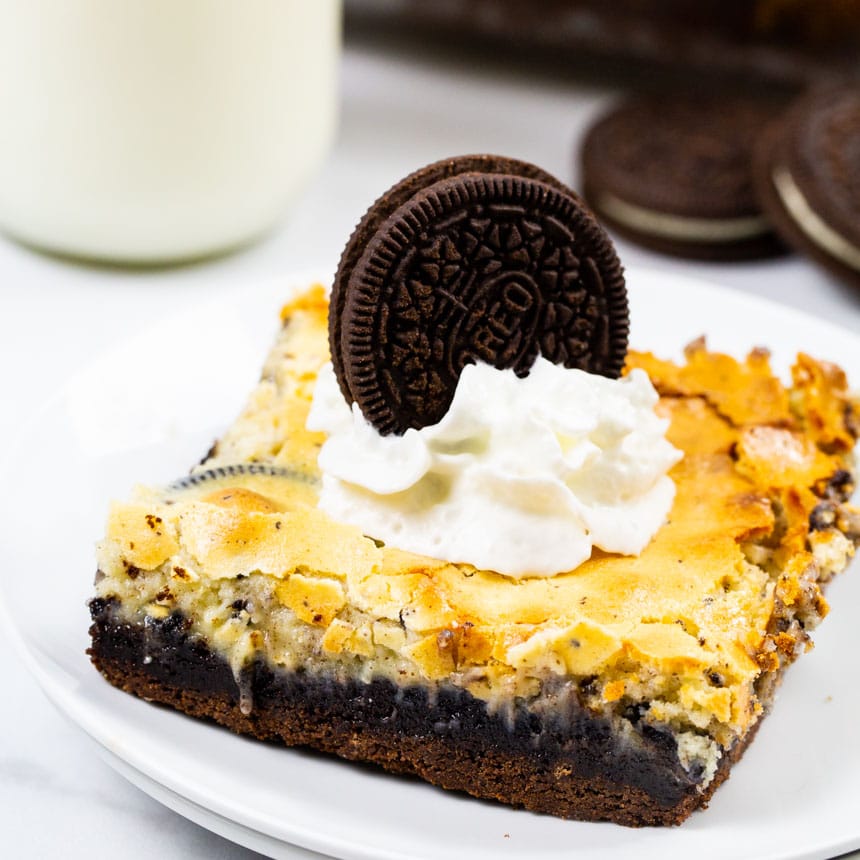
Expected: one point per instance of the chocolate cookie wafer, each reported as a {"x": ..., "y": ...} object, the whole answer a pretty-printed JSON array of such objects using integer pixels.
[
  {"x": 808, "y": 178},
  {"x": 481, "y": 266},
  {"x": 675, "y": 174},
  {"x": 395, "y": 197}
]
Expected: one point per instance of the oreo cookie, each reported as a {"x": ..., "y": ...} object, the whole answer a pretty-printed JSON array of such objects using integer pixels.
[
  {"x": 675, "y": 174},
  {"x": 385, "y": 206},
  {"x": 808, "y": 178},
  {"x": 478, "y": 258}
]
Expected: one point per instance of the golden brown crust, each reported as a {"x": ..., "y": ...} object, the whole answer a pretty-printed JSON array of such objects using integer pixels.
[{"x": 742, "y": 392}]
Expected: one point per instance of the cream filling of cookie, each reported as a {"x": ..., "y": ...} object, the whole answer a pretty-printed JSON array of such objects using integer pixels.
[
  {"x": 810, "y": 223},
  {"x": 679, "y": 227}
]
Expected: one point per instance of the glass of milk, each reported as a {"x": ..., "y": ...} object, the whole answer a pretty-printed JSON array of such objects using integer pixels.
[{"x": 153, "y": 131}]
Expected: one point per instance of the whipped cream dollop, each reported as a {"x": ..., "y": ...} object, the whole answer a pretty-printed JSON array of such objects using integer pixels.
[{"x": 523, "y": 476}]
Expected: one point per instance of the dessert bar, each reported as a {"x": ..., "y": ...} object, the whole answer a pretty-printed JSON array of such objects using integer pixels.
[
  {"x": 623, "y": 690},
  {"x": 460, "y": 532}
]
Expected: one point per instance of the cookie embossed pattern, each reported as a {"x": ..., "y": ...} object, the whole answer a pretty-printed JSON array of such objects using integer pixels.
[{"x": 493, "y": 268}]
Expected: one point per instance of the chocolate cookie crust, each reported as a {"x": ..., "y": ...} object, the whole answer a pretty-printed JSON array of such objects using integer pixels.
[
  {"x": 675, "y": 174},
  {"x": 576, "y": 767},
  {"x": 808, "y": 178},
  {"x": 481, "y": 267}
]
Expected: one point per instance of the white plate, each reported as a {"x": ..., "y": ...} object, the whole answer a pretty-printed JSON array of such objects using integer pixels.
[{"x": 149, "y": 410}]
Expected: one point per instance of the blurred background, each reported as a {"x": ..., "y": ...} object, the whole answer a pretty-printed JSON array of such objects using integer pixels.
[{"x": 777, "y": 41}]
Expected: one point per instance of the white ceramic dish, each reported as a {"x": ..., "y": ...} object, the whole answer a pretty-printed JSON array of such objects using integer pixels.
[{"x": 147, "y": 411}]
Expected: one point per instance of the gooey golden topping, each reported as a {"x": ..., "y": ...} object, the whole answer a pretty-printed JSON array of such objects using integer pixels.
[{"x": 690, "y": 625}]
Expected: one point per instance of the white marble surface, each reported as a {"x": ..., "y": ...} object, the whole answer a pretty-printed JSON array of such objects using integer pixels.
[{"x": 57, "y": 797}]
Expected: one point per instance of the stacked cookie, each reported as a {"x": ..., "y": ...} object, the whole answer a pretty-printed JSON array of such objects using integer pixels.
[{"x": 732, "y": 178}]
